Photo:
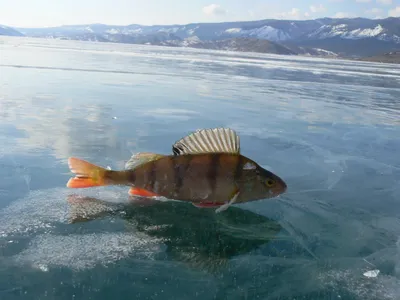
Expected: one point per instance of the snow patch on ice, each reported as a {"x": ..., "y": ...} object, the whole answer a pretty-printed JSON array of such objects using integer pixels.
[{"x": 80, "y": 252}]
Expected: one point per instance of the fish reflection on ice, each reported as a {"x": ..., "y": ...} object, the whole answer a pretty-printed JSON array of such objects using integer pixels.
[
  {"x": 199, "y": 238},
  {"x": 51, "y": 228},
  {"x": 36, "y": 228}
]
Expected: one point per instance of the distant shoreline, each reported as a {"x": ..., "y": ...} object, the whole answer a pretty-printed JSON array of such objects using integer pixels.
[
  {"x": 387, "y": 58},
  {"x": 359, "y": 39}
]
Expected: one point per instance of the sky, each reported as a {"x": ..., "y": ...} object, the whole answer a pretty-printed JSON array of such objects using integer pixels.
[{"x": 47, "y": 13}]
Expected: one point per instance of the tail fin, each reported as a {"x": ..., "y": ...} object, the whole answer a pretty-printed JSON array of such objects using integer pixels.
[{"x": 87, "y": 174}]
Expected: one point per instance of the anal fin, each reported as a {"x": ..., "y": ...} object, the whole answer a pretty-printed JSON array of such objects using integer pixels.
[
  {"x": 206, "y": 205},
  {"x": 134, "y": 191}
]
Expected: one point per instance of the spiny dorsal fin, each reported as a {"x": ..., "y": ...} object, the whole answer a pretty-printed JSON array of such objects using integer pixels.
[
  {"x": 141, "y": 158},
  {"x": 214, "y": 140}
]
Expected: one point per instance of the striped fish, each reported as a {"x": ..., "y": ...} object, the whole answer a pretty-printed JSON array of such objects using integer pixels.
[{"x": 206, "y": 168}]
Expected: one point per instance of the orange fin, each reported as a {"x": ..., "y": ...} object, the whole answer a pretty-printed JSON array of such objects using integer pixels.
[
  {"x": 134, "y": 191},
  {"x": 206, "y": 205},
  {"x": 87, "y": 174}
]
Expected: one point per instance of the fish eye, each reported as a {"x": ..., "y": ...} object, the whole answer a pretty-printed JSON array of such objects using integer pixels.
[{"x": 269, "y": 182}]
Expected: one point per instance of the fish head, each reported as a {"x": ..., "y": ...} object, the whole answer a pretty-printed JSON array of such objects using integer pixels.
[
  {"x": 259, "y": 183},
  {"x": 273, "y": 184}
]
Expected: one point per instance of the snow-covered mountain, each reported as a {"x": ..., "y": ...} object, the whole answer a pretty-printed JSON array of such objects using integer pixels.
[
  {"x": 265, "y": 32},
  {"x": 349, "y": 31},
  {"x": 5, "y": 30},
  {"x": 274, "y": 30},
  {"x": 351, "y": 36}
]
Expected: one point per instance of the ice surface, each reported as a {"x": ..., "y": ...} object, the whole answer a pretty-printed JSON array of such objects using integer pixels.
[
  {"x": 85, "y": 251},
  {"x": 42, "y": 210},
  {"x": 330, "y": 128}
]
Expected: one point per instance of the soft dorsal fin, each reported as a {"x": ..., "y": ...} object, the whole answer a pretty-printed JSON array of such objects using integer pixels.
[
  {"x": 141, "y": 158},
  {"x": 214, "y": 140}
]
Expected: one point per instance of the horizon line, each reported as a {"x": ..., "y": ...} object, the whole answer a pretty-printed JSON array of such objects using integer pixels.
[{"x": 193, "y": 23}]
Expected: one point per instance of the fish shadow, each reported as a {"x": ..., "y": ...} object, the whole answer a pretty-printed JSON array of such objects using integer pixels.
[{"x": 197, "y": 237}]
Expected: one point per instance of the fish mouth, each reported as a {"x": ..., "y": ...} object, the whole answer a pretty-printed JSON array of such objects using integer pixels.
[
  {"x": 280, "y": 189},
  {"x": 284, "y": 187}
]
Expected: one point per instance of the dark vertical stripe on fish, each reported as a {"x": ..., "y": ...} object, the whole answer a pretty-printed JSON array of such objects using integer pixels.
[
  {"x": 166, "y": 169},
  {"x": 131, "y": 177},
  {"x": 213, "y": 171},
  {"x": 180, "y": 169},
  {"x": 239, "y": 168},
  {"x": 151, "y": 176}
]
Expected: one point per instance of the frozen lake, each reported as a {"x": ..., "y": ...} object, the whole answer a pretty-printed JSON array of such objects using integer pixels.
[{"x": 329, "y": 128}]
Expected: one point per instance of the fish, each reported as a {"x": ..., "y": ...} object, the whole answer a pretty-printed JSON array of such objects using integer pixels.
[{"x": 206, "y": 168}]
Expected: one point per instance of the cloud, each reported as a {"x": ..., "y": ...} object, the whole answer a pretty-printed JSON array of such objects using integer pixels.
[
  {"x": 363, "y": 1},
  {"x": 341, "y": 15},
  {"x": 395, "y": 12},
  {"x": 386, "y": 2},
  {"x": 213, "y": 10},
  {"x": 317, "y": 8},
  {"x": 294, "y": 13},
  {"x": 374, "y": 11},
  {"x": 306, "y": 14}
]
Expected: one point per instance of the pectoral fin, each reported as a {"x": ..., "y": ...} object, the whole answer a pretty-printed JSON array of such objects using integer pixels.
[{"x": 226, "y": 205}]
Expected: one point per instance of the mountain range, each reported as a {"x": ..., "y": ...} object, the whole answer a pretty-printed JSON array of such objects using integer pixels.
[
  {"x": 4, "y": 30},
  {"x": 348, "y": 37}
]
